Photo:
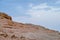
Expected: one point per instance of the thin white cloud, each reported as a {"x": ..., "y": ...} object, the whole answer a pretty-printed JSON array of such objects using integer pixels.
[
  {"x": 42, "y": 10},
  {"x": 41, "y": 6}
]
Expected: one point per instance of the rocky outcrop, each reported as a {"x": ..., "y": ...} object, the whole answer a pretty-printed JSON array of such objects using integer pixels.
[
  {"x": 4, "y": 15},
  {"x": 10, "y": 30}
]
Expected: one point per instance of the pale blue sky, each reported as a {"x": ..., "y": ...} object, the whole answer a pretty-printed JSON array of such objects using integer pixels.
[{"x": 40, "y": 12}]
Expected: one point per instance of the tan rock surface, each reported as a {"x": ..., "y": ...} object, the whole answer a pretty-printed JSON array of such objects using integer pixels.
[{"x": 10, "y": 30}]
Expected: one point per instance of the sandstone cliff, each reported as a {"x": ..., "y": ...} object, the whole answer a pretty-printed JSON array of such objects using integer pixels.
[{"x": 10, "y": 30}]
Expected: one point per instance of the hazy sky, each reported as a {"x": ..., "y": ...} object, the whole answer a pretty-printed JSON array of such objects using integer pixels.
[{"x": 41, "y": 12}]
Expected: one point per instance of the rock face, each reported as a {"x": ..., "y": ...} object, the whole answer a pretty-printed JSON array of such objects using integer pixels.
[
  {"x": 4, "y": 15},
  {"x": 10, "y": 30}
]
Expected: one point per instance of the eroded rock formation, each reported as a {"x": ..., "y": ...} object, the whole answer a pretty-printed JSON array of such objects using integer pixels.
[
  {"x": 4, "y": 15},
  {"x": 10, "y": 30}
]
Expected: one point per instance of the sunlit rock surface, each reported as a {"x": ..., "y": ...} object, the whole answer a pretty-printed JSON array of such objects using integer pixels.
[{"x": 10, "y": 30}]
